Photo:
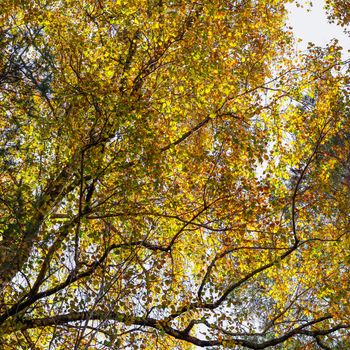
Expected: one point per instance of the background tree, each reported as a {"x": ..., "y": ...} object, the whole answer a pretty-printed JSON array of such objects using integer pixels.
[{"x": 171, "y": 176}]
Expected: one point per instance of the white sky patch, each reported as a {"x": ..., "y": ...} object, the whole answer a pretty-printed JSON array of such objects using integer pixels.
[{"x": 312, "y": 26}]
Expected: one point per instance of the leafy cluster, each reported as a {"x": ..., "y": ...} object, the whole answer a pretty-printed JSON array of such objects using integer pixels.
[{"x": 339, "y": 11}]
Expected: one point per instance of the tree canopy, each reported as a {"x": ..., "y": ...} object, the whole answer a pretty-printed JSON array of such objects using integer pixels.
[{"x": 173, "y": 174}]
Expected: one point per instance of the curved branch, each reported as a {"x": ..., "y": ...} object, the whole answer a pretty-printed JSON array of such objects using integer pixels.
[{"x": 164, "y": 326}]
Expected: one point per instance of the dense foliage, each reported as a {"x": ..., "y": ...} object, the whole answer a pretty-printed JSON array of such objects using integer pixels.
[
  {"x": 339, "y": 11},
  {"x": 173, "y": 174}
]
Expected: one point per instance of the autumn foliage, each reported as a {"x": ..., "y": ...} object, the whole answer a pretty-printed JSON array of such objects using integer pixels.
[{"x": 173, "y": 174}]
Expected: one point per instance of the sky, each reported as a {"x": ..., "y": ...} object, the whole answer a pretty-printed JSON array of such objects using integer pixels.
[{"x": 313, "y": 26}]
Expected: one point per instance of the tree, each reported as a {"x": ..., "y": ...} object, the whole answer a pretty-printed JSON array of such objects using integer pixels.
[{"x": 172, "y": 175}]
